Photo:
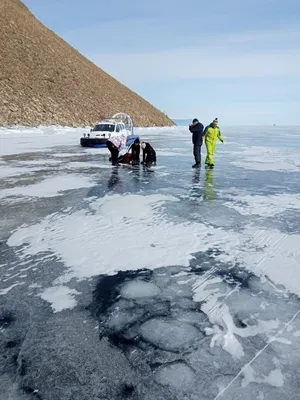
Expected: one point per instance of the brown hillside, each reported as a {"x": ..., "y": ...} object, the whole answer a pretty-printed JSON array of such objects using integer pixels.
[{"x": 43, "y": 80}]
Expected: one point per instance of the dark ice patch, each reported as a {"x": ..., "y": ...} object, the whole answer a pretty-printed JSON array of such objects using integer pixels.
[
  {"x": 235, "y": 276},
  {"x": 108, "y": 288},
  {"x": 11, "y": 344},
  {"x": 6, "y": 318},
  {"x": 149, "y": 311},
  {"x": 33, "y": 392}
]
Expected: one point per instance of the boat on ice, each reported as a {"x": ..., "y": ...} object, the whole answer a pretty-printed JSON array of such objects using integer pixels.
[{"x": 118, "y": 125}]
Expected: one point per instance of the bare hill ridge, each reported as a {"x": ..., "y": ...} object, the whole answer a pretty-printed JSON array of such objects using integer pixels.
[{"x": 43, "y": 80}]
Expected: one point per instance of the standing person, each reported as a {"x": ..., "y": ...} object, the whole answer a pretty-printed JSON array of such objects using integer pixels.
[
  {"x": 196, "y": 128},
  {"x": 149, "y": 154},
  {"x": 212, "y": 133},
  {"x": 115, "y": 145}
]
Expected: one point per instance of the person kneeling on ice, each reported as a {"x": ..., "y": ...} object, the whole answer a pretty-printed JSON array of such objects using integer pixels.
[
  {"x": 132, "y": 157},
  {"x": 149, "y": 154},
  {"x": 135, "y": 151},
  {"x": 115, "y": 145},
  {"x": 212, "y": 133}
]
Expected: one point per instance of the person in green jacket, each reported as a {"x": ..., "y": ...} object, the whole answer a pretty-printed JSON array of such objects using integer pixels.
[{"x": 212, "y": 133}]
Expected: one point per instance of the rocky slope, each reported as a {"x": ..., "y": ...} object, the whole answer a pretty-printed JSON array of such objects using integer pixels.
[{"x": 43, "y": 80}]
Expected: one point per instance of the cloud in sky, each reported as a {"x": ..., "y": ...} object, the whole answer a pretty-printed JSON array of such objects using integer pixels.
[{"x": 237, "y": 59}]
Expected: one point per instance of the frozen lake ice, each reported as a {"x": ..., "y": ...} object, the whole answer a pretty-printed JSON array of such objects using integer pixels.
[{"x": 166, "y": 283}]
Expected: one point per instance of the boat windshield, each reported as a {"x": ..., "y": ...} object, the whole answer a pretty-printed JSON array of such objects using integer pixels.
[{"x": 104, "y": 127}]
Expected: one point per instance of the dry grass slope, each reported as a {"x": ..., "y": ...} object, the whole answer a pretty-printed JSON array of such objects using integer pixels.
[{"x": 43, "y": 80}]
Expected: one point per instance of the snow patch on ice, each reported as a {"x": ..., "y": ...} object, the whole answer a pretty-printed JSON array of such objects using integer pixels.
[
  {"x": 115, "y": 220},
  {"x": 112, "y": 222},
  {"x": 60, "y": 297},
  {"x": 89, "y": 165},
  {"x": 8, "y": 171},
  {"x": 20, "y": 139},
  {"x": 44, "y": 162},
  {"x": 35, "y": 286},
  {"x": 67, "y": 155},
  {"x": 265, "y": 206},
  {"x": 271, "y": 253},
  {"x": 8, "y": 289},
  {"x": 275, "y": 377},
  {"x": 282, "y": 340},
  {"x": 49, "y": 187}
]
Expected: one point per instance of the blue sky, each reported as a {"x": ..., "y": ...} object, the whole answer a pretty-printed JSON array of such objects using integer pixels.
[{"x": 237, "y": 60}]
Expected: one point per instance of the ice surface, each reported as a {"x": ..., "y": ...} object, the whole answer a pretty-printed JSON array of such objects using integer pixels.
[
  {"x": 213, "y": 295},
  {"x": 264, "y": 252},
  {"x": 274, "y": 254},
  {"x": 20, "y": 140},
  {"x": 263, "y": 158},
  {"x": 170, "y": 153},
  {"x": 139, "y": 289},
  {"x": 265, "y": 206},
  {"x": 119, "y": 320},
  {"x": 169, "y": 335},
  {"x": 192, "y": 277},
  {"x": 177, "y": 376}
]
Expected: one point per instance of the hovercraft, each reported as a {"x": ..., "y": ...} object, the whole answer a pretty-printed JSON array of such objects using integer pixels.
[{"x": 119, "y": 124}]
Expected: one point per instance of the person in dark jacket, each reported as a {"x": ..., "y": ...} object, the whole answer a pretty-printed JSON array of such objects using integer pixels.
[
  {"x": 135, "y": 151},
  {"x": 149, "y": 154},
  {"x": 196, "y": 128}
]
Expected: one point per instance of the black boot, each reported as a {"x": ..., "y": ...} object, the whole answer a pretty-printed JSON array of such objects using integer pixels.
[{"x": 197, "y": 165}]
